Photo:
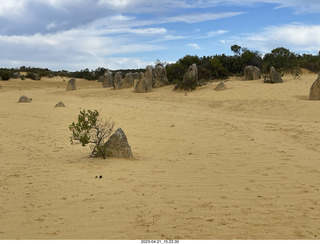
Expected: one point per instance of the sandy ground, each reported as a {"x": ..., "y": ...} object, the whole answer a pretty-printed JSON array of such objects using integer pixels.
[{"x": 243, "y": 163}]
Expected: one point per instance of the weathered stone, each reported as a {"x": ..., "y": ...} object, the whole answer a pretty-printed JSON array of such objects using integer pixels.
[
  {"x": 136, "y": 76},
  {"x": 145, "y": 82},
  {"x": 193, "y": 72},
  {"x": 128, "y": 81},
  {"x": 59, "y": 105},
  {"x": 24, "y": 99},
  {"x": 315, "y": 90},
  {"x": 117, "y": 82},
  {"x": 190, "y": 79},
  {"x": 221, "y": 86},
  {"x": 159, "y": 76},
  {"x": 274, "y": 76},
  {"x": 118, "y": 146},
  {"x": 15, "y": 75},
  {"x": 107, "y": 80},
  {"x": 252, "y": 73},
  {"x": 71, "y": 85}
]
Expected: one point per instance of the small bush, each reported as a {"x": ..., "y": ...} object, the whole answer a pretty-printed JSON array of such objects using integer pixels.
[
  {"x": 33, "y": 76},
  {"x": 188, "y": 83},
  {"x": 5, "y": 75},
  {"x": 90, "y": 129}
]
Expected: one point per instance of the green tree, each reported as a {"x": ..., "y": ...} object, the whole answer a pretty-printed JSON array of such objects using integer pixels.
[
  {"x": 175, "y": 72},
  {"x": 217, "y": 69},
  {"x": 236, "y": 49},
  {"x": 5, "y": 75},
  {"x": 188, "y": 60}
]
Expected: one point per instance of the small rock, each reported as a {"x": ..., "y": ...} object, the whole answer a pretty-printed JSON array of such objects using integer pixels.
[
  {"x": 24, "y": 99},
  {"x": 221, "y": 86},
  {"x": 59, "y": 105}
]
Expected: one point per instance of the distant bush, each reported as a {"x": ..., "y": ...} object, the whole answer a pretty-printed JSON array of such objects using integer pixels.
[
  {"x": 33, "y": 76},
  {"x": 5, "y": 75}
]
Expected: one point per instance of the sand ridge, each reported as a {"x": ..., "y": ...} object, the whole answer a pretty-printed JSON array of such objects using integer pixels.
[{"x": 237, "y": 164}]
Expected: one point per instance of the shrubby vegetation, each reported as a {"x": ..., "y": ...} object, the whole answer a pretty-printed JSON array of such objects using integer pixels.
[
  {"x": 209, "y": 67},
  {"x": 222, "y": 66},
  {"x": 90, "y": 129}
]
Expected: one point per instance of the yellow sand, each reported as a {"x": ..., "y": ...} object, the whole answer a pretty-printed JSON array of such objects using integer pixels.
[{"x": 243, "y": 163}]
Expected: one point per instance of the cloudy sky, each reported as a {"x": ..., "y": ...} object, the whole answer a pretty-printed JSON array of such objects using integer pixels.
[{"x": 78, "y": 34}]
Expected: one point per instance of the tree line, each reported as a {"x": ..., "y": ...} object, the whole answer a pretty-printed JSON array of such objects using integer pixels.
[
  {"x": 209, "y": 67},
  {"x": 222, "y": 66}
]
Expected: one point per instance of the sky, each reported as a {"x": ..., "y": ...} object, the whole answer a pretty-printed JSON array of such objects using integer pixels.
[{"x": 128, "y": 34}]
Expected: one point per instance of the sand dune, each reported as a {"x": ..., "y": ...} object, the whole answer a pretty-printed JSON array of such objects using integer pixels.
[{"x": 237, "y": 164}]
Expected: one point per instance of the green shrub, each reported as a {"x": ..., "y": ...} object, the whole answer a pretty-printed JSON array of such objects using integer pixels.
[
  {"x": 33, "y": 76},
  {"x": 90, "y": 129},
  {"x": 188, "y": 83},
  {"x": 5, "y": 75}
]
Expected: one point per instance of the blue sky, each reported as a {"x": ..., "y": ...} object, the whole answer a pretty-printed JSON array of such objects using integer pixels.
[{"x": 115, "y": 34}]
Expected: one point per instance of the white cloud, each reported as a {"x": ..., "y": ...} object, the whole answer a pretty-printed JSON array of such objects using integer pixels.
[
  {"x": 135, "y": 6},
  {"x": 212, "y": 34},
  {"x": 10, "y": 7},
  {"x": 75, "y": 34},
  {"x": 296, "y": 37},
  {"x": 200, "y": 17},
  {"x": 194, "y": 46},
  {"x": 74, "y": 49}
]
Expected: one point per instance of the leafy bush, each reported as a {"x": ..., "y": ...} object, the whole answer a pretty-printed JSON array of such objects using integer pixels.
[
  {"x": 90, "y": 129},
  {"x": 188, "y": 83},
  {"x": 5, "y": 75}
]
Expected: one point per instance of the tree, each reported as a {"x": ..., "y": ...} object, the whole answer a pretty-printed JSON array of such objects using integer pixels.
[
  {"x": 188, "y": 60},
  {"x": 5, "y": 75},
  {"x": 175, "y": 72},
  {"x": 250, "y": 58},
  {"x": 236, "y": 49},
  {"x": 90, "y": 129},
  {"x": 217, "y": 69}
]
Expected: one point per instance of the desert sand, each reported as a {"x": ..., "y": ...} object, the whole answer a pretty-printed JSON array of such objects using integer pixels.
[{"x": 243, "y": 163}]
